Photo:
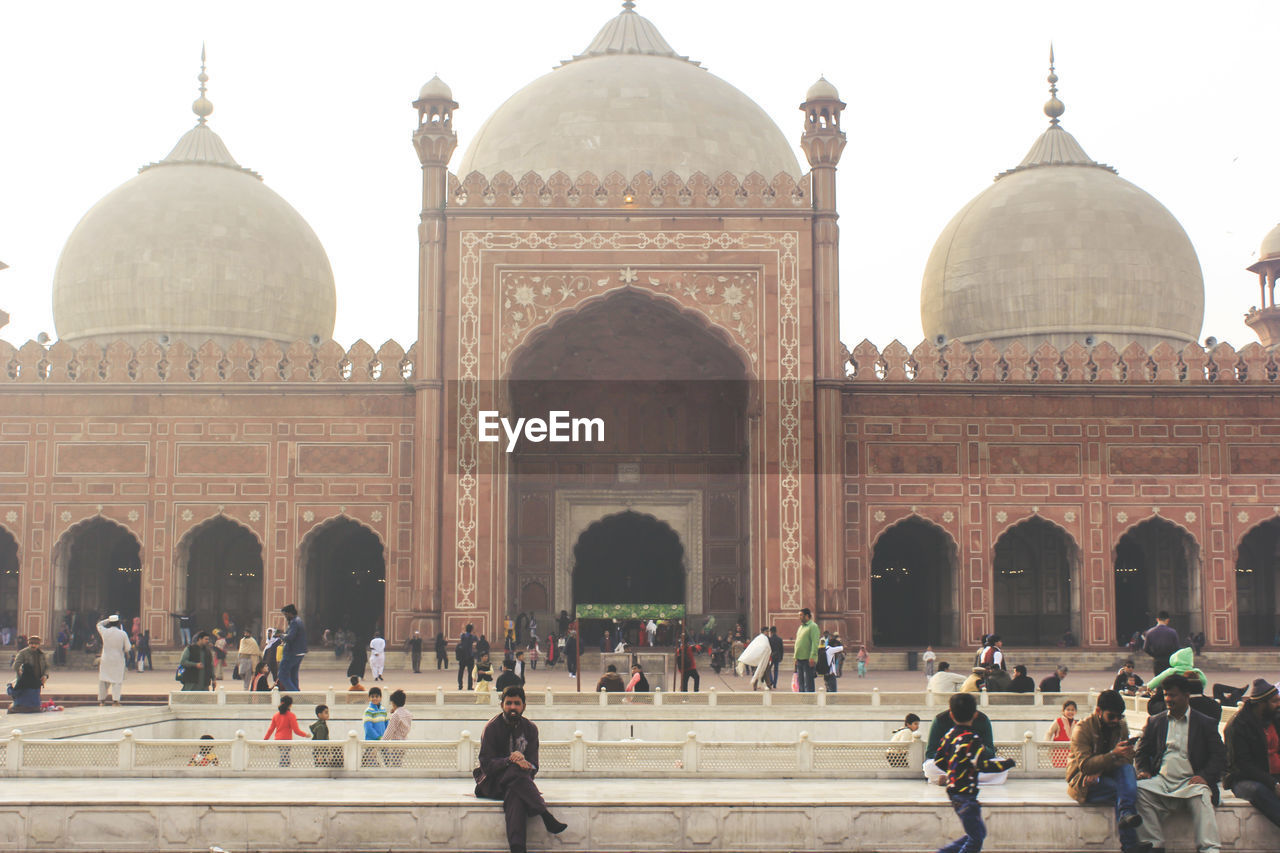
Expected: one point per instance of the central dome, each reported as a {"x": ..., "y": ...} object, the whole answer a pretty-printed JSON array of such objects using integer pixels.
[{"x": 629, "y": 104}]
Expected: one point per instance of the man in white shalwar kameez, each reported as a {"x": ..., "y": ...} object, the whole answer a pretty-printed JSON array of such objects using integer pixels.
[
  {"x": 111, "y": 666},
  {"x": 377, "y": 657},
  {"x": 758, "y": 653}
]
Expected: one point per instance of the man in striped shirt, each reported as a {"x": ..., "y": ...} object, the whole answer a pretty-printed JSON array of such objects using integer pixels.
[{"x": 961, "y": 757}]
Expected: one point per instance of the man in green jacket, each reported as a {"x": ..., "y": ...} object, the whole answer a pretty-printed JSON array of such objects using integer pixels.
[
  {"x": 806, "y": 650},
  {"x": 197, "y": 665}
]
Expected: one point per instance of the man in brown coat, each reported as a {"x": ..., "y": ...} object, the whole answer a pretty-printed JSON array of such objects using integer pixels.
[{"x": 1100, "y": 767}]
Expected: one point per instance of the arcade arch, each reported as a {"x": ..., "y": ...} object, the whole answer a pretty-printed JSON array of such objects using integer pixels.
[
  {"x": 1258, "y": 585},
  {"x": 97, "y": 571},
  {"x": 9, "y": 574},
  {"x": 915, "y": 597},
  {"x": 343, "y": 575},
  {"x": 1037, "y": 584},
  {"x": 1157, "y": 567},
  {"x": 218, "y": 569}
]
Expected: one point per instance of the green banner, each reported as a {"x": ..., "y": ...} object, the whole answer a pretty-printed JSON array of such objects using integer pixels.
[{"x": 630, "y": 611}]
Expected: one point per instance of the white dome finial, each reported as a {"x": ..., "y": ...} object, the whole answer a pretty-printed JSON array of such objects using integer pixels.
[
  {"x": 202, "y": 106},
  {"x": 1053, "y": 108}
]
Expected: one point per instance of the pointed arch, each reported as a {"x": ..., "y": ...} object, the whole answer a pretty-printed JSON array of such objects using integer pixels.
[
  {"x": 915, "y": 585},
  {"x": 218, "y": 568},
  {"x": 342, "y": 578},
  {"x": 1257, "y": 575},
  {"x": 10, "y": 576},
  {"x": 1157, "y": 568},
  {"x": 97, "y": 563},
  {"x": 1036, "y": 583}
]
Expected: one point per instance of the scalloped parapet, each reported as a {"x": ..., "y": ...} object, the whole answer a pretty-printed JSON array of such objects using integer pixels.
[
  {"x": 986, "y": 364},
  {"x": 181, "y": 363},
  {"x": 642, "y": 192}
]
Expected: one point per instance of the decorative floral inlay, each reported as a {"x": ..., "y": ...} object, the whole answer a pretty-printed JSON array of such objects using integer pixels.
[
  {"x": 1155, "y": 510},
  {"x": 1242, "y": 516},
  {"x": 948, "y": 516},
  {"x": 186, "y": 515},
  {"x": 65, "y": 515},
  {"x": 133, "y": 515},
  {"x": 1069, "y": 516},
  {"x": 1122, "y": 517},
  {"x": 1002, "y": 516},
  {"x": 1036, "y": 509},
  {"x": 879, "y": 515},
  {"x": 628, "y": 276},
  {"x": 1190, "y": 516},
  {"x": 308, "y": 516},
  {"x": 376, "y": 515},
  {"x": 254, "y": 515},
  {"x": 11, "y": 516}
]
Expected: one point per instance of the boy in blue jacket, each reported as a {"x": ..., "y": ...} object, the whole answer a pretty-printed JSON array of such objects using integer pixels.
[
  {"x": 961, "y": 757},
  {"x": 375, "y": 716}
]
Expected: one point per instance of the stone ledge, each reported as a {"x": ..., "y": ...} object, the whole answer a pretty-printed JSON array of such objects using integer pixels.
[{"x": 710, "y": 814}]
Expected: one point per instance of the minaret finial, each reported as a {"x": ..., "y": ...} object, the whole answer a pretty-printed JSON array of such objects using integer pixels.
[
  {"x": 202, "y": 107},
  {"x": 1053, "y": 108},
  {"x": 628, "y": 5}
]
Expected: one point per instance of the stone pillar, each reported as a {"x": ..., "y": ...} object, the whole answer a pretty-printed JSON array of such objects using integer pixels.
[
  {"x": 434, "y": 140},
  {"x": 823, "y": 141}
]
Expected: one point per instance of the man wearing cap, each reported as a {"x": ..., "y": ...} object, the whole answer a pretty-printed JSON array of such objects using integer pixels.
[
  {"x": 111, "y": 666},
  {"x": 1100, "y": 767},
  {"x": 1253, "y": 750},
  {"x": 295, "y": 647}
]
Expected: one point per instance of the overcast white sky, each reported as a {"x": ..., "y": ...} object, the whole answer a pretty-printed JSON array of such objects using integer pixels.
[{"x": 1179, "y": 97}]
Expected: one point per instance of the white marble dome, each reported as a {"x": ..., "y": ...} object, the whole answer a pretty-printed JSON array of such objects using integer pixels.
[
  {"x": 195, "y": 247},
  {"x": 628, "y": 104},
  {"x": 1062, "y": 249},
  {"x": 1270, "y": 248}
]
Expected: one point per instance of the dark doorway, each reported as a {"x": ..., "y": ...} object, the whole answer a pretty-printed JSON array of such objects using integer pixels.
[
  {"x": 98, "y": 572},
  {"x": 1257, "y": 565},
  {"x": 8, "y": 581},
  {"x": 913, "y": 587},
  {"x": 221, "y": 564},
  {"x": 345, "y": 579},
  {"x": 1157, "y": 568},
  {"x": 628, "y": 558},
  {"x": 1036, "y": 585}
]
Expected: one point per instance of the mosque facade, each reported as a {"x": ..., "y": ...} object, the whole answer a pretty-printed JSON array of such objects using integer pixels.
[{"x": 631, "y": 239}]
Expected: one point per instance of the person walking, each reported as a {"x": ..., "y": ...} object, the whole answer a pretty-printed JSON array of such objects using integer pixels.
[
  {"x": 508, "y": 763},
  {"x": 863, "y": 657},
  {"x": 284, "y": 723},
  {"x": 442, "y": 652},
  {"x": 295, "y": 648},
  {"x": 1253, "y": 750},
  {"x": 219, "y": 654},
  {"x": 1100, "y": 767},
  {"x": 961, "y": 756},
  {"x": 686, "y": 666},
  {"x": 260, "y": 678},
  {"x": 112, "y": 664},
  {"x": 247, "y": 656},
  {"x": 463, "y": 652},
  {"x": 651, "y": 633},
  {"x": 930, "y": 658},
  {"x": 1179, "y": 760},
  {"x": 414, "y": 645},
  {"x": 757, "y": 656},
  {"x": 806, "y": 651},
  {"x": 1160, "y": 641},
  {"x": 197, "y": 666},
  {"x": 1053, "y": 683},
  {"x": 776, "y": 653},
  {"x": 359, "y": 659},
  {"x": 377, "y": 657}
]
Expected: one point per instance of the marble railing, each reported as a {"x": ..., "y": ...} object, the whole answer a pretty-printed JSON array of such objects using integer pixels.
[
  {"x": 1102, "y": 364},
  {"x": 643, "y": 191},
  {"x": 350, "y": 756},
  {"x": 178, "y": 362}
]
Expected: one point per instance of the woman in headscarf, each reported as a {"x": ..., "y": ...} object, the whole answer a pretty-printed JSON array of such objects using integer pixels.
[
  {"x": 359, "y": 657},
  {"x": 377, "y": 657}
]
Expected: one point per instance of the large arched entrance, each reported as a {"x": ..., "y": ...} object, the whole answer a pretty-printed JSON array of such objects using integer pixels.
[
  {"x": 1037, "y": 584},
  {"x": 97, "y": 569},
  {"x": 344, "y": 579},
  {"x": 1157, "y": 568},
  {"x": 219, "y": 570},
  {"x": 1257, "y": 589},
  {"x": 8, "y": 581},
  {"x": 673, "y": 397},
  {"x": 914, "y": 595},
  {"x": 628, "y": 558}
]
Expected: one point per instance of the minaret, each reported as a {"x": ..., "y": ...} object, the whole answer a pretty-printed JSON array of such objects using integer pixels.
[
  {"x": 1264, "y": 318},
  {"x": 823, "y": 141},
  {"x": 435, "y": 141}
]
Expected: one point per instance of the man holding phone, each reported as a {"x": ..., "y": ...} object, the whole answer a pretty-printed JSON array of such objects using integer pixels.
[{"x": 1100, "y": 767}]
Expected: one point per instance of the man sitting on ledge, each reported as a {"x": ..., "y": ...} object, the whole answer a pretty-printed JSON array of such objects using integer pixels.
[
  {"x": 1253, "y": 750},
  {"x": 1100, "y": 767},
  {"x": 508, "y": 763}
]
